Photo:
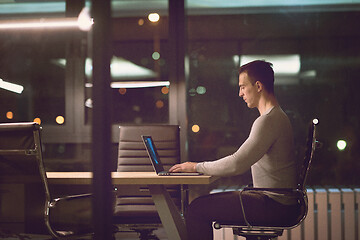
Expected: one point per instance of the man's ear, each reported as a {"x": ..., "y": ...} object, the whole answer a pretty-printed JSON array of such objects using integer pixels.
[{"x": 259, "y": 86}]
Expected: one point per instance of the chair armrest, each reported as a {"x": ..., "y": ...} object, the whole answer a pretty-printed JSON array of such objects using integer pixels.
[
  {"x": 69, "y": 198},
  {"x": 274, "y": 190},
  {"x": 53, "y": 202}
]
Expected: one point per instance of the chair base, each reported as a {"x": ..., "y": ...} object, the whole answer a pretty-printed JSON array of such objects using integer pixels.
[
  {"x": 257, "y": 234},
  {"x": 146, "y": 234},
  {"x": 145, "y": 231}
]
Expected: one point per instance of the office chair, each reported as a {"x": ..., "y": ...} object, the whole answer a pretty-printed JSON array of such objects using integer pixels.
[
  {"x": 21, "y": 160},
  {"x": 135, "y": 208},
  {"x": 254, "y": 231}
]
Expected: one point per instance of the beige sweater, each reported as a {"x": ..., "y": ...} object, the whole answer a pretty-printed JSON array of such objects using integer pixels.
[{"x": 268, "y": 151}]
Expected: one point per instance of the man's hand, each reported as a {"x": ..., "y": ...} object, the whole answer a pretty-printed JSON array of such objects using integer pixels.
[{"x": 184, "y": 167}]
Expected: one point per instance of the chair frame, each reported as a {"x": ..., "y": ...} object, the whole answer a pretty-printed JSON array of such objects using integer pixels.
[
  {"x": 268, "y": 232},
  {"x": 49, "y": 201}
]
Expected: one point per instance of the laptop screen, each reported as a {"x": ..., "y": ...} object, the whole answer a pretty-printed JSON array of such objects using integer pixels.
[{"x": 153, "y": 154}]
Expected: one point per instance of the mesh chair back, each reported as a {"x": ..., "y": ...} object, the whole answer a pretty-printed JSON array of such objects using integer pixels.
[
  {"x": 309, "y": 152},
  {"x": 267, "y": 231},
  {"x": 21, "y": 163}
]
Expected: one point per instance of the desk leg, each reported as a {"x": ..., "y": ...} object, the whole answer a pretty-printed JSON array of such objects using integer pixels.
[{"x": 169, "y": 214}]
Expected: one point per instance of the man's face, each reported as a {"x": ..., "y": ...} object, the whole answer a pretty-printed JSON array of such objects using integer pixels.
[{"x": 248, "y": 91}]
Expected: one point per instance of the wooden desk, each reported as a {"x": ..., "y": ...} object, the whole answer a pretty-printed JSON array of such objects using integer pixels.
[
  {"x": 170, "y": 216},
  {"x": 127, "y": 178}
]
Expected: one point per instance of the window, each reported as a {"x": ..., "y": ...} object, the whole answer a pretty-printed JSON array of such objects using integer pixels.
[
  {"x": 322, "y": 44},
  {"x": 31, "y": 61}
]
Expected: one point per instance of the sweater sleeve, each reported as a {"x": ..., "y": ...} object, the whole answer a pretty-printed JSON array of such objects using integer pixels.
[{"x": 262, "y": 135}]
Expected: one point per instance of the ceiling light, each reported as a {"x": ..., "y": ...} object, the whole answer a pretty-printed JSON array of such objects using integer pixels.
[
  {"x": 140, "y": 84},
  {"x": 120, "y": 68},
  {"x": 11, "y": 86},
  {"x": 83, "y": 22}
]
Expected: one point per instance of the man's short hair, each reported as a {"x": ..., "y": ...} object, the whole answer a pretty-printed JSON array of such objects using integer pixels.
[{"x": 260, "y": 70}]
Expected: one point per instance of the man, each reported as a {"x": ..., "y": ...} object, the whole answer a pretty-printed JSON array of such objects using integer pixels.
[{"x": 268, "y": 151}]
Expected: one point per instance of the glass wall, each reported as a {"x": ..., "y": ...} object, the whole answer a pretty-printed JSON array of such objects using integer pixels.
[
  {"x": 316, "y": 56},
  {"x": 313, "y": 45},
  {"x": 139, "y": 71}
]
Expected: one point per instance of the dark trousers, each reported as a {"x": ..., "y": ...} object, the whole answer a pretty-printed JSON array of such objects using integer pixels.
[{"x": 225, "y": 207}]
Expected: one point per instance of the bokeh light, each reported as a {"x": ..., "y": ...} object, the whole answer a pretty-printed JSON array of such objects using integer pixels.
[
  {"x": 154, "y": 17},
  {"x": 165, "y": 90},
  {"x": 155, "y": 55},
  {"x": 60, "y": 120},
  {"x": 341, "y": 145},
  {"x": 200, "y": 90},
  {"x": 195, "y": 128},
  {"x": 159, "y": 104},
  {"x": 9, "y": 115},
  {"x": 141, "y": 22},
  {"x": 122, "y": 91},
  {"x": 37, "y": 120}
]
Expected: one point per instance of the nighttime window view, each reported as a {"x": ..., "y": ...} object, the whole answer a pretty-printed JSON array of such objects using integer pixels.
[{"x": 81, "y": 82}]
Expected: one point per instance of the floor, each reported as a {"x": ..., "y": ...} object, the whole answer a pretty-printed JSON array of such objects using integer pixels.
[{"x": 160, "y": 233}]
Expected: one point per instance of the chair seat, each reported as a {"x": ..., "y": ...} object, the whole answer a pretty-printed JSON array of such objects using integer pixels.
[{"x": 136, "y": 214}]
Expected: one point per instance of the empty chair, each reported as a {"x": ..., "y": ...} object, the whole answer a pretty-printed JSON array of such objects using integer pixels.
[
  {"x": 135, "y": 208},
  {"x": 21, "y": 160}
]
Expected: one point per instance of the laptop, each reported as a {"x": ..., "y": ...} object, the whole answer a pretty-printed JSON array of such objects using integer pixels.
[{"x": 155, "y": 159}]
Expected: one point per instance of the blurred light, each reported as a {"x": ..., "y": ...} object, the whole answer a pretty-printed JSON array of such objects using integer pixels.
[
  {"x": 341, "y": 145},
  {"x": 61, "y": 149},
  {"x": 154, "y": 17},
  {"x": 155, "y": 56},
  {"x": 89, "y": 103},
  {"x": 37, "y": 120},
  {"x": 60, "y": 120},
  {"x": 139, "y": 84},
  {"x": 11, "y": 86},
  {"x": 162, "y": 62},
  {"x": 120, "y": 69},
  {"x": 201, "y": 90},
  {"x": 159, "y": 104},
  {"x": 236, "y": 60},
  {"x": 40, "y": 23},
  {"x": 138, "y": 120},
  {"x": 315, "y": 121},
  {"x": 282, "y": 64},
  {"x": 122, "y": 91},
  {"x": 165, "y": 90},
  {"x": 136, "y": 108},
  {"x": 141, "y": 22},
  {"x": 83, "y": 22},
  {"x": 10, "y": 115},
  {"x": 195, "y": 128},
  {"x": 309, "y": 74},
  {"x": 192, "y": 92}
]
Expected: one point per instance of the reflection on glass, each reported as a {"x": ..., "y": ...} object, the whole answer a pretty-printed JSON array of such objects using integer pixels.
[{"x": 32, "y": 86}]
